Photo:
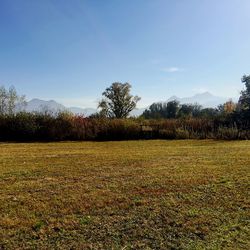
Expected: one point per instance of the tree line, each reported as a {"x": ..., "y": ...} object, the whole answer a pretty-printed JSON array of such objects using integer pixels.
[{"x": 170, "y": 120}]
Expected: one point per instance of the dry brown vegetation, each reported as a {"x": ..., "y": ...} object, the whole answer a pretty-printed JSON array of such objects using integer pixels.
[{"x": 125, "y": 195}]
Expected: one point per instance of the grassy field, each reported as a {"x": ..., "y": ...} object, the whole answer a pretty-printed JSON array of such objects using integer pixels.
[{"x": 125, "y": 195}]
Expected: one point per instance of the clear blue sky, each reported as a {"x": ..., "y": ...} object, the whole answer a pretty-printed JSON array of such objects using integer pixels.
[{"x": 71, "y": 50}]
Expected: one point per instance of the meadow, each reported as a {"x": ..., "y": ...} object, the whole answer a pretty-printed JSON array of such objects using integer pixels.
[{"x": 156, "y": 194}]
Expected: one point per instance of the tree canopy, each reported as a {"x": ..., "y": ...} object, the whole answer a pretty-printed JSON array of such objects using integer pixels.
[
  {"x": 244, "y": 100},
  {"x": 10, "y": 101},
  {"x": 117, "y": 101}
]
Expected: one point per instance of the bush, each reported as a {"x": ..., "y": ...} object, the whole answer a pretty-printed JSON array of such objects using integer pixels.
[
  {"x": 228, "y": 133},
  {"x": 21, "y": 126},
  {"x": 66, "y": 126},
  {"x": 118, "y": 129},
  {"x": 182, "y": 134},
  {"x": 167, "y": 134}
]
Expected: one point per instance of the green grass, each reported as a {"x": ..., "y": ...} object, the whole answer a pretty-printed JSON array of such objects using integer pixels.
[{"x": 125, "y": 195}]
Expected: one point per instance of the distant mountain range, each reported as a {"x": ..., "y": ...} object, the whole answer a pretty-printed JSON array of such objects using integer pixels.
[
  {"x": 205, "y": 99},
  {"x": 37, "y": 105}
]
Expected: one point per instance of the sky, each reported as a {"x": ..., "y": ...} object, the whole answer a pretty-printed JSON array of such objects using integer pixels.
[{"x": 71, "y": 50}]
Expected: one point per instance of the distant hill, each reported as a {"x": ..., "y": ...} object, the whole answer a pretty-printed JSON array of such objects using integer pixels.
[
  {"x": 205, "y": 99},
  {"x": 40, "y": 105},
  {"x": 37, "y": 105}
]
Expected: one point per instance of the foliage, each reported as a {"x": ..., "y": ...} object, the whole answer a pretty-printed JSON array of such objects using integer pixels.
[
  {"x": 65, "y": 126},
  {"x": 162, "y": 110},
  {"x": 229, "y": 107},
  {"x": 10, "y": 101},
  {"x": 161, "y": 121},
  {"x": 244, "y": 100},
  {"x": 118, "y": 102},
  {"x": 172, "y": 109}
]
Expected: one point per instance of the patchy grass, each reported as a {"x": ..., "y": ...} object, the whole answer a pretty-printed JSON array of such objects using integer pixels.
[{"x": 125, "y": 195}]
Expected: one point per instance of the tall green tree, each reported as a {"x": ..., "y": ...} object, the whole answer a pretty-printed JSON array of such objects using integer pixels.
[
  {"x": 244, "y": 101},
  {"x": 243, "y": 109},
  {"x": 172, "y": 109},
  {"x": 160, "y": 110},
  {"x": 185, "y": 110},
  {"x": 156, "y": 111},
  {"x": 117, "y": 101}
]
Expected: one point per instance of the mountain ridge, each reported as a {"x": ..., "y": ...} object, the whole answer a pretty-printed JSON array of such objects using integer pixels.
[
  {"x": 205, "y": 99},
  {"x": 39, "y": 105}
]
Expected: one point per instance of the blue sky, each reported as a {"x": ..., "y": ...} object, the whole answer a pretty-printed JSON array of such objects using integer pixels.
[{"x": 71, "y": 50}]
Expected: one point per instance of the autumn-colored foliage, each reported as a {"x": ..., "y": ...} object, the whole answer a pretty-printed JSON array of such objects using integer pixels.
[{"x": 66, "y": 126}]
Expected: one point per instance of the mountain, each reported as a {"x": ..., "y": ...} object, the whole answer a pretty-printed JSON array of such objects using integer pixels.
[
  {"x": 205, "y": 99},
  {"x": 85, "y": 111},
  {"x": 40, "y": 105},
  {"x": 37, "y": 105}
]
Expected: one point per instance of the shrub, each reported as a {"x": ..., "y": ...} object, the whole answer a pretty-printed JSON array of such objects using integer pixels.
[
  {"x": 66, "y": 126},
  {"x": 228, "y": 133},
  {"x": 182, "y": 134}
]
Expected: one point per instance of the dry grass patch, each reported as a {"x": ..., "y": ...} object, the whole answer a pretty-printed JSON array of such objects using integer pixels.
[{"x": 125, "y": 195}]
